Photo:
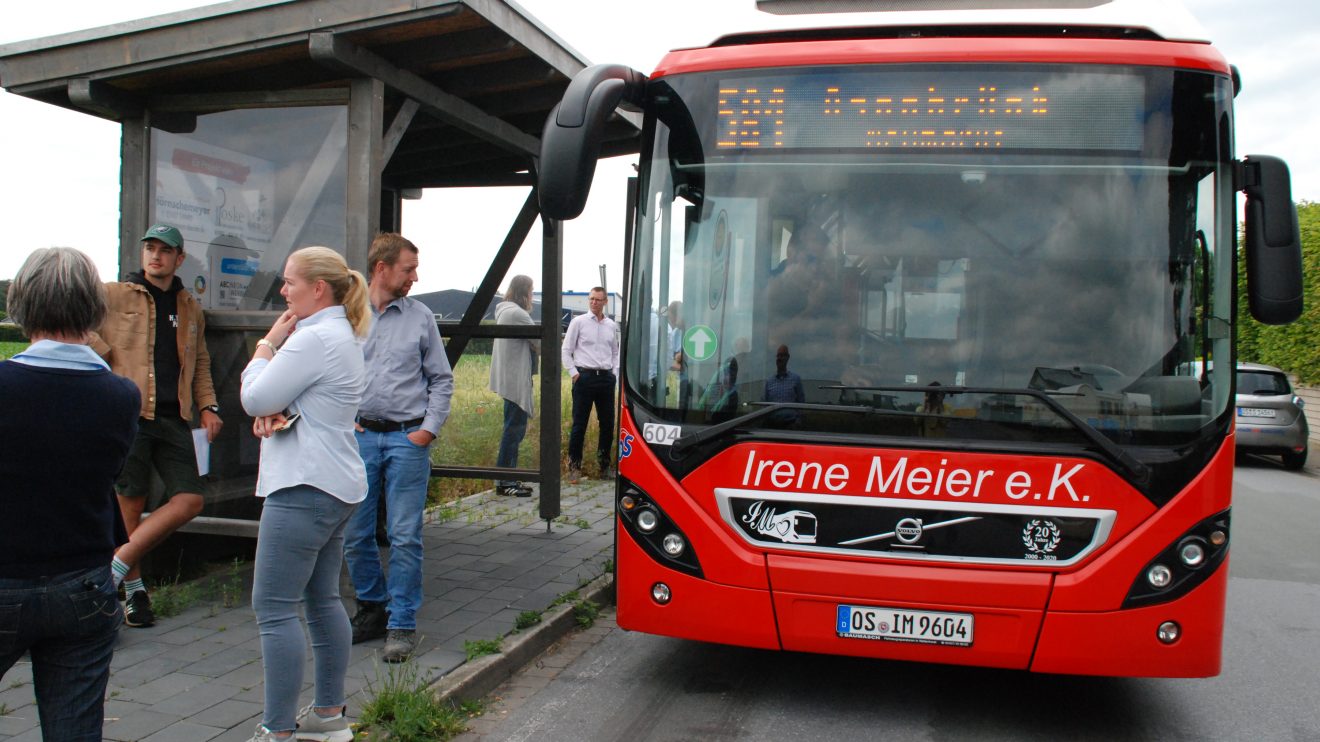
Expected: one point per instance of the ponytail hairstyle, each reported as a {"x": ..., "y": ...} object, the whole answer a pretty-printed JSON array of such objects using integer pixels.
[{"x": 347, "y": 285}]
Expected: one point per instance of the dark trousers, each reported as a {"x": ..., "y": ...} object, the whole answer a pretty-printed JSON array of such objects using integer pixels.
[
  {"x": 598, "y": 390},
  {"x": 515, "y": 429},
  {"x": 68, "y": 623}
]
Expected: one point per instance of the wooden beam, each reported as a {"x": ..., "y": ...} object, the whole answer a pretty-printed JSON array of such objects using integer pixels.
[
  {"x": 398, "y": 127},
  {"x": 466, "y": 178},
  {"x": 365, "y": 115},
  {"x": 104, "y": 100},
  {"x": 552, "y": 287},
  {"x": 499, "y": 267},
  {"x": 135, "y": 179},
  {"x": 331, "y": 50},
  {"x": 205, "y": 102}
]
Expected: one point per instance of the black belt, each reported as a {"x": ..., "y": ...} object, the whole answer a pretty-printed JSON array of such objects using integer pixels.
[
  {"x": 596, "y": 371},
  {"x": 387, "y": 426}
]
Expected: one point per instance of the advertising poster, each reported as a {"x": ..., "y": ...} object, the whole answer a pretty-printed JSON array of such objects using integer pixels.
[{"x": 222, "y": 202}]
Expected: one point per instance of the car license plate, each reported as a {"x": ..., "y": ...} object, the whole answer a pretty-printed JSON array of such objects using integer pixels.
[
  {"x": 896, "y": 624},
  {"x": 1255, "y": 412}
]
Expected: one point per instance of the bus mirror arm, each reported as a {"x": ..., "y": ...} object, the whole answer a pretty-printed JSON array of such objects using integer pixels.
[
  {"x": 1273, "y": 241},
  {"x": 571, "y": 139}
]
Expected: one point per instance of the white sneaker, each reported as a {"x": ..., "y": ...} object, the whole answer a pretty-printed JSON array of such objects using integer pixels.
[
  {"x": 262, "y": 734},
  {"x": 316, "y": 727}
]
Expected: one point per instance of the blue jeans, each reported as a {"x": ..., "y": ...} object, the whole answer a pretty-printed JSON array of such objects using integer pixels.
[
  {"x": 69, "y": 623},
  {"x": 400, "y": 470},
  {"x": 300, "y": 550},
  {"x": 515, "y": 428}
]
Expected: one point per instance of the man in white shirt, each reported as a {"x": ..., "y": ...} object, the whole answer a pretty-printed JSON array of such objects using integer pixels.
[{"x": 591, "y": 358}]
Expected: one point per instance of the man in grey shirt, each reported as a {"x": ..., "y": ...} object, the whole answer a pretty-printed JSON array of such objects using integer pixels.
[{"x": 409, "y": 383}]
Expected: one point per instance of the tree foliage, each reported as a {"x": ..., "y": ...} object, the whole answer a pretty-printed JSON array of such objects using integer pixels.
[{"x": 1295, "y": 348}]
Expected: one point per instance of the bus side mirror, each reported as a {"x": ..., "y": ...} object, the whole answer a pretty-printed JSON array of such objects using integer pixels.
[
  {"x": 570, "y": 142},
  {"x": 1274, "y": 247}
]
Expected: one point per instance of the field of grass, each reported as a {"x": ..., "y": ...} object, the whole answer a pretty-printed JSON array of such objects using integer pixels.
[
  {"x": 9, "y": 349},
  {"x": 471, "y": 436}
]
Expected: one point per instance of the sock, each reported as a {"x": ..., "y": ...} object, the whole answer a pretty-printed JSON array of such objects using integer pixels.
[
  {"x": 119, "y": 569},
  {"x": 133, "y": 586}
]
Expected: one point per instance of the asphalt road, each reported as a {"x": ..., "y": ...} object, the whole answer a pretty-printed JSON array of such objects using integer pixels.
[{"x": 614, "y": 685}]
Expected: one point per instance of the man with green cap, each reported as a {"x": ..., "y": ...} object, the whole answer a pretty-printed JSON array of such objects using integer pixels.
[{"x": 154, "y": 334}]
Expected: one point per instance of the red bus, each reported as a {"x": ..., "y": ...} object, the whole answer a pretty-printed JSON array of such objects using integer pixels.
[{"x": 922, "y": 309}]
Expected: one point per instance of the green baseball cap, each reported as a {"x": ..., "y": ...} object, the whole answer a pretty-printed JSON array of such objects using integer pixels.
[{"x": 165, "y": 233}]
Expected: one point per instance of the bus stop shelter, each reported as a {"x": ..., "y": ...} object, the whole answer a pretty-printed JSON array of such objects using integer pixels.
[{"x": 262, "y": 126}]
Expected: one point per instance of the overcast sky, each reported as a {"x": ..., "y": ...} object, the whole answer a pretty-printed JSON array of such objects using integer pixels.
[{"x": 60, "y": 181}]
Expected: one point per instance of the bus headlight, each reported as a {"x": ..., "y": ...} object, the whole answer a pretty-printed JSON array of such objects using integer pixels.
[
  {"x": 654, "y": 530},
  {"x": 1168, "y": 632},
  {"x": 660, "y": 593},
  {"x": 673, "y": 544},
  {"x": 647, "y": 521},
  {"x": 1159, "y": 576},
  {"x": 1183, "y": 564},
  {"x": 1192, "y": 553}
]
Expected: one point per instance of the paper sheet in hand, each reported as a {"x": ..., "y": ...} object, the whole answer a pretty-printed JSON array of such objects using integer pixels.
[{"x": 203, "y": 449}]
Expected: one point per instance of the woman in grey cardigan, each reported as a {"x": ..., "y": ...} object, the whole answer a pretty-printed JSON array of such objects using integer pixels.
[{"x": 511, "y": 367}]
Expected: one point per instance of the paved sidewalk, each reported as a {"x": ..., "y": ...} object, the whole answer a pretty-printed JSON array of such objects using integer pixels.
[{"x": 197, "y": 676}]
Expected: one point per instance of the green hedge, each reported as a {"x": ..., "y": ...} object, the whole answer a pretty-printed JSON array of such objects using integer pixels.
[
  {"x": 12, "y": 334},
  {"x": 1295, "y": 348}
]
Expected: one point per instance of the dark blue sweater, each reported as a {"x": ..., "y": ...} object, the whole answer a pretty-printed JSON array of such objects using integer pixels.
[{"x": 64, "y": 435}]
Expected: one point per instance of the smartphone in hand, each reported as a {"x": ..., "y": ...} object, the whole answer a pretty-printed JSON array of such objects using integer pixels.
[{"x": 288, "y": 422}]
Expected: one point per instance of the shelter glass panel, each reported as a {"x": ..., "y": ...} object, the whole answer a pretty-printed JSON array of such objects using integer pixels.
[{"x": 246, "y": 188}]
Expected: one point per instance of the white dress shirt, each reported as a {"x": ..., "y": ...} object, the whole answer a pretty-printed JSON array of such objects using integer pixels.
[{"x": 591, "y": 343}]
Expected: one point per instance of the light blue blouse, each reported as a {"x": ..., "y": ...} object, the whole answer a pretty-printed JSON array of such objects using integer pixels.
[{"x": 318, "y": 374}]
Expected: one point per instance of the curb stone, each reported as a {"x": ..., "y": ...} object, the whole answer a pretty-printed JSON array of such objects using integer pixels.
[{"x": 474, "y": 680}]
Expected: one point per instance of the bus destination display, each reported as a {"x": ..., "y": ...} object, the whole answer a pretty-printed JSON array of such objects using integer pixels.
[{"x": 955, "y": 110}]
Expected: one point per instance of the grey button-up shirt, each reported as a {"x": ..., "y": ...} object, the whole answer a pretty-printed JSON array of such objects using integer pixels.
[{"x": 408, "y": 373}]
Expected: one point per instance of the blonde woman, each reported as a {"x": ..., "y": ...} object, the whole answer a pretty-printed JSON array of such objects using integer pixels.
[{"x": 303, "y": 386}]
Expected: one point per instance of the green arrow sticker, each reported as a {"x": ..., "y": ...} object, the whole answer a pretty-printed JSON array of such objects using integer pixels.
[{"x": 700, "y": 342}]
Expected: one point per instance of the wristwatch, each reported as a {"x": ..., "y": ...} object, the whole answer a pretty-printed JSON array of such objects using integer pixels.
[
  {"x": 268, "y": 344},
  {"x": 213, "y": 408}
]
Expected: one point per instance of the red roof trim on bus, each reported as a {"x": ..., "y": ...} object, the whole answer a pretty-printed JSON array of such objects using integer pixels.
[{"x": 927, "y": 50}]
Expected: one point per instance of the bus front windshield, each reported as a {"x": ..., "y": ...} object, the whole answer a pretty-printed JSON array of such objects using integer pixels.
[{"x": 957, "y": 251}]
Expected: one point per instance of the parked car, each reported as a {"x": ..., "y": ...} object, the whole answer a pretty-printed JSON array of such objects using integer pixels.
[{"x": 1269, "y": 415}]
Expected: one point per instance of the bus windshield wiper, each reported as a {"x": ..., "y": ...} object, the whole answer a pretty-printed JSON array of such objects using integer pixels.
[
  {"x": 1135, "y": 469},
  {"x": 766, "y": 408}
]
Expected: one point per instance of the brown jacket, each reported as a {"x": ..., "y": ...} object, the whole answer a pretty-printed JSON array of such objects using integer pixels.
[{"x": 127, "y": 339}]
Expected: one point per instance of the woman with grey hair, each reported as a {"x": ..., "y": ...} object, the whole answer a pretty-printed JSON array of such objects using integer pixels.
[
  {"x": 512, "y": 363},
  {"x": 67, "y": 427}
]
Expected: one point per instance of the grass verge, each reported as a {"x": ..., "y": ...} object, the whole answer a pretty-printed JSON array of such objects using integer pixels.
[
  {"x": 223, "y": 587},
  {"x": 403, "y": 706}
]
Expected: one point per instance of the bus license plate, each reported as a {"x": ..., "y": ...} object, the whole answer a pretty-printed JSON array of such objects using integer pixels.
[
  {"x": 1255, "y": 412},
  {"x": 895, "y": 624}
]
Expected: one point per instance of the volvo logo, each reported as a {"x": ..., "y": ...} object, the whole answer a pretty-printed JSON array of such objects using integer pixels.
[{"x": 908, "y": 530}]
